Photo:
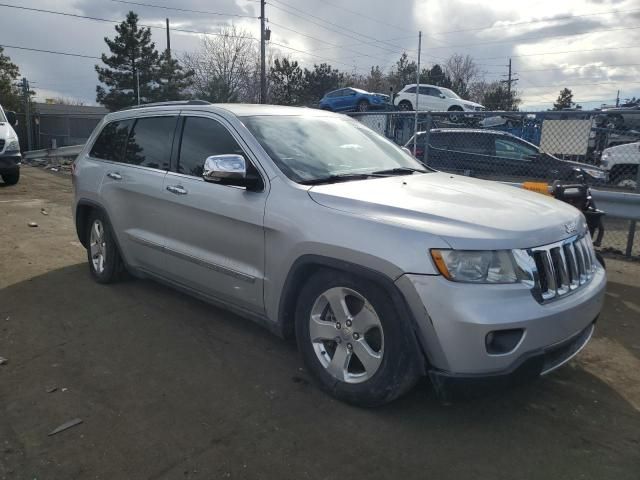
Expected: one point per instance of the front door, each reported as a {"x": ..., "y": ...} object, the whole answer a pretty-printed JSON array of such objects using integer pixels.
[{"x": 214, "y": 236}]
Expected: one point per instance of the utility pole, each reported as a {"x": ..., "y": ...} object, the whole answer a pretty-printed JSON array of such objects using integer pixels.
[
  {"x": 168, "y": 39},
  {"x": 263, "y": 65},
  {"x": 510, "y": 81},
  {"x": 415, "y": 120},
  {"x": 27, "y": 112},
  {"x": 618, "y": 99},
  {"x": 138, "y": 84}
]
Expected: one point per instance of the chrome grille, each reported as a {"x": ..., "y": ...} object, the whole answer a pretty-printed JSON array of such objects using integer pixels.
[{"x": 562, "y": 267}]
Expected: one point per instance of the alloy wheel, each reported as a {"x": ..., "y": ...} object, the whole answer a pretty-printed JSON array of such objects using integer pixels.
[
  {"x": 98, "y": 246},
  {"x": 346, "y": 334}
]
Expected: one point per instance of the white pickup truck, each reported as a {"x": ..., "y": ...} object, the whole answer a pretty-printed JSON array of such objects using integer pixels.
[{"x": 622, "y": 163}]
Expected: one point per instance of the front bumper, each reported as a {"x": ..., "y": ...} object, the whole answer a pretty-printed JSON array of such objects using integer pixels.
[
  {"x": 453, "y": 320},
  {"x": 10, "y": 162}
]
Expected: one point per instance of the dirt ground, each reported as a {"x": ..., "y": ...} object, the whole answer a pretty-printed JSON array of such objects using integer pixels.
[{"x": 169, "y": 387}]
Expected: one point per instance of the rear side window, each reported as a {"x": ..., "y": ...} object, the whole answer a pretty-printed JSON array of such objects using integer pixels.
[
  {"x": 150, "y": 142},
  {"x": 202, "y": 138},
  {"x": 472, "y": 143},
  {"x": 111, "y": 142},
  {"x": 410, "y": 90}
]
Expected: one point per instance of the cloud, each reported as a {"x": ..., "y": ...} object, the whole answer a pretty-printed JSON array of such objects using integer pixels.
[{"x": 355, "y": 35}]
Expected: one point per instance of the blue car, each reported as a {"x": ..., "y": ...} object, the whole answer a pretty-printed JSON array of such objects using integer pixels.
[{"x": 353, "y": 100}]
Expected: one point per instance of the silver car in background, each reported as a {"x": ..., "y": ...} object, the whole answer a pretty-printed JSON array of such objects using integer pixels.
[{"x": 315, "y": 226}]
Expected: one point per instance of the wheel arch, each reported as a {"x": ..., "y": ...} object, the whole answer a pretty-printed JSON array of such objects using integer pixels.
[
  {"x": 309, "y": 264},
  {"x": 455, "y": 108},
  {"x": 621, "y": 169}
]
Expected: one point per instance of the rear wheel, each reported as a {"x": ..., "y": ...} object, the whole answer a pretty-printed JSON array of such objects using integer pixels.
[
  {"x": 405, "y": 105},
  {"x": 11, "y": 178},
  {"x": 353, "y": 341},
  {"x": 104, "y": 259}
]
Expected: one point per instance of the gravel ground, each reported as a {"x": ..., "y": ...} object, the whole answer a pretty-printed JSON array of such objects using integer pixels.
[{"x": 169, "y": 387}]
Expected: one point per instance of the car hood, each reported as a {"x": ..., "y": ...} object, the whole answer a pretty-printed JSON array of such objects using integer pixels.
[
  {"x": 628, "y": 149},
  {"x": 467, "y": 213},
  {"x": 471, "y": 104}
]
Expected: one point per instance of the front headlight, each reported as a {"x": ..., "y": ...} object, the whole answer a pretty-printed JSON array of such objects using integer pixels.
[
  {"x": 479, "y": 266},
  {"x": 12, "y": 145},
  {"x": 597, "y": 174}
]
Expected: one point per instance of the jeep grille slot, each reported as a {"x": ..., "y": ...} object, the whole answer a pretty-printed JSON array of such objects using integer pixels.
[{"x": 563, "y": 267}]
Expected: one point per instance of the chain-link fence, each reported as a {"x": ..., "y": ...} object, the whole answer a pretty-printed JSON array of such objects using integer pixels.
[{"x": 599, "y": 148}]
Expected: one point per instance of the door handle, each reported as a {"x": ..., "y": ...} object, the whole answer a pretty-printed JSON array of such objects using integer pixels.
[
  {"x": 114, "y": 175},
  {"x": 177, "y": 189}
]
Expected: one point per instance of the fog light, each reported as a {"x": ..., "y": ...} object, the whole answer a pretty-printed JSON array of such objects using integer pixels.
[{"x": 503, "y": 341}]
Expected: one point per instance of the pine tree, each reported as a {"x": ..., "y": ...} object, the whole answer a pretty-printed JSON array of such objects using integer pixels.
[
  {"x": 9, "y": 93},
  {"x": 286, "y": 82},
  {"x": 565, "y": 100},
  {"x": 172, "y": 81},
  {"x": 133, "y": 61}
]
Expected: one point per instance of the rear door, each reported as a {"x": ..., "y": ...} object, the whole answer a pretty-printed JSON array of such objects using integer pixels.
[
  {"x": 138, "y": 152},
  {"x": 519, "y": 160},
  {"x": 214, "y": 234},
  {"x": 467, "y": 153}
]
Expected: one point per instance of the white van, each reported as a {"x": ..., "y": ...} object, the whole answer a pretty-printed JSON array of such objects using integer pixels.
[{"x": 10, "y": 157}]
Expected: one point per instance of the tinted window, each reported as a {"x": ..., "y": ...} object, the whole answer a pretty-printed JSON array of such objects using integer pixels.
[
  {"x": 202, "y": 138},
  {"x": 150, "y": 142},
  {"x": 111, "y": 141},
  {"x": 440, "y": 141},
  {"x": 432, "y": 92},
  {"x": 507, "y": 148},
  {"x": 472, "y": 143},
  {"x": 410, "y": 90}
]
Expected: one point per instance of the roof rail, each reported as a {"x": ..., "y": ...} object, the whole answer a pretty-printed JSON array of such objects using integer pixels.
[{"x": 168, "y": 104}]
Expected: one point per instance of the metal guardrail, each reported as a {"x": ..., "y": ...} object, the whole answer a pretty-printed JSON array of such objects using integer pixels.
[{"x": 70, "y": 151}]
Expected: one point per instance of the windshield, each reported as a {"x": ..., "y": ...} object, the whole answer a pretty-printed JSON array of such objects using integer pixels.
[
  {"x": 308, "y": 148},
  {"x": 2, "y": 117},
  {"x": 448, "y": 93}
]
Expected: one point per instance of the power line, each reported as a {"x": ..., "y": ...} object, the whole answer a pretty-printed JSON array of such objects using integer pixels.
[
  {"x": 571, "y": 68},
  {"x": 50, "y": 51},
  {"x": 360, "y": 14},
  {"x": 516, "y": 41},
  {"x": 558, "y": 53},
  {"x": 206, "y": 12},
  {"x": 564, "y": 17}
]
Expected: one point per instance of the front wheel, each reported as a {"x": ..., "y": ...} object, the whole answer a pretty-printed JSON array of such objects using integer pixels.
[
  {"x": 455, "y": 114},
  {"x": 353, "y": 341},
  {"x": 405, "y": 106},
  {"x": 628, "y": 181},
  {"x": 11, "y": 178}
]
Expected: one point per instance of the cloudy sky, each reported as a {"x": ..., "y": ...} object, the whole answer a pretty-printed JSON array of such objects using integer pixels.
[{"x": 590, "y": 46}]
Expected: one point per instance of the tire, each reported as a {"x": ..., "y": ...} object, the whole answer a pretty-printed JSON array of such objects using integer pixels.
[
  {"x": 362, "y": 106},
  {"x": 615, "y": 122},
  {"x": 457, "y": 116},
  {"x": 405, "y": 106},
  {"x": 11, "y": 178},
  {"x": 386, "y": 346},
  {"x": 628, "y": 181},
  {"x": 105, "y": 263}
]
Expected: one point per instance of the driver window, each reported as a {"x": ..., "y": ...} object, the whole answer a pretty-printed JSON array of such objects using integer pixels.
[
  {"x": 202, "y": 138},
  {"x": 513, "y": 150}
]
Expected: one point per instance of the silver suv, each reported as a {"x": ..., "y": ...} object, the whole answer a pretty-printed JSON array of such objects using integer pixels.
[{"x": 315, "y": 226}]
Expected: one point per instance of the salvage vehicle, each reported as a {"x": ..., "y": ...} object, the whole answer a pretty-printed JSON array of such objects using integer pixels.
[
  {"x": 353, "y": 100},
  {"x": 498, "y": 155},
  {"x": 10, "y": 158},
  {"x": 622, "y": 162},
  {"x": 310, "y": 223},
  {"x": 437, "y": 99}
]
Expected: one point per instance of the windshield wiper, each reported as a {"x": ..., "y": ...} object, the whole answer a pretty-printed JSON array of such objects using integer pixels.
[
  {"x": 399, "y": 171},
  {"x": 342, "y": 177}
]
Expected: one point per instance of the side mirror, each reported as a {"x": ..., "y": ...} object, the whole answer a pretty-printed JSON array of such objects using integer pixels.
[
  {"x": 229, "y": 170},
  {"x": 442, "y": 95},
  {"x": 11, "y": 118}
]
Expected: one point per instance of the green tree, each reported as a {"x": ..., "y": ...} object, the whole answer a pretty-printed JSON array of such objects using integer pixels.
[
  {"x": 172, "y": 80},
  {"x": 322, "y": 79},
  {"x": 133, "y": 61},
  {"x": 10, "y": 97},
  {"x": 565, "y": 100},
  {"x": 377, "y": 81},
  {"x": 286, "y": 82},
  {"x": 436, "y": 76},
  {"x": 497, "y": 97},
  {"x": 404, "y": 73}
]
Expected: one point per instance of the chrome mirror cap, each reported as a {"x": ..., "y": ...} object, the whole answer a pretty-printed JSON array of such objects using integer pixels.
[{"x": 220, "y": 168}]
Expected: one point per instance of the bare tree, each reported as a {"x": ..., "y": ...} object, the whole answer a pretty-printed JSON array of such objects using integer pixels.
[
  {"x": 225, "y": 66},
  {"x": 462, "y": 70}
]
